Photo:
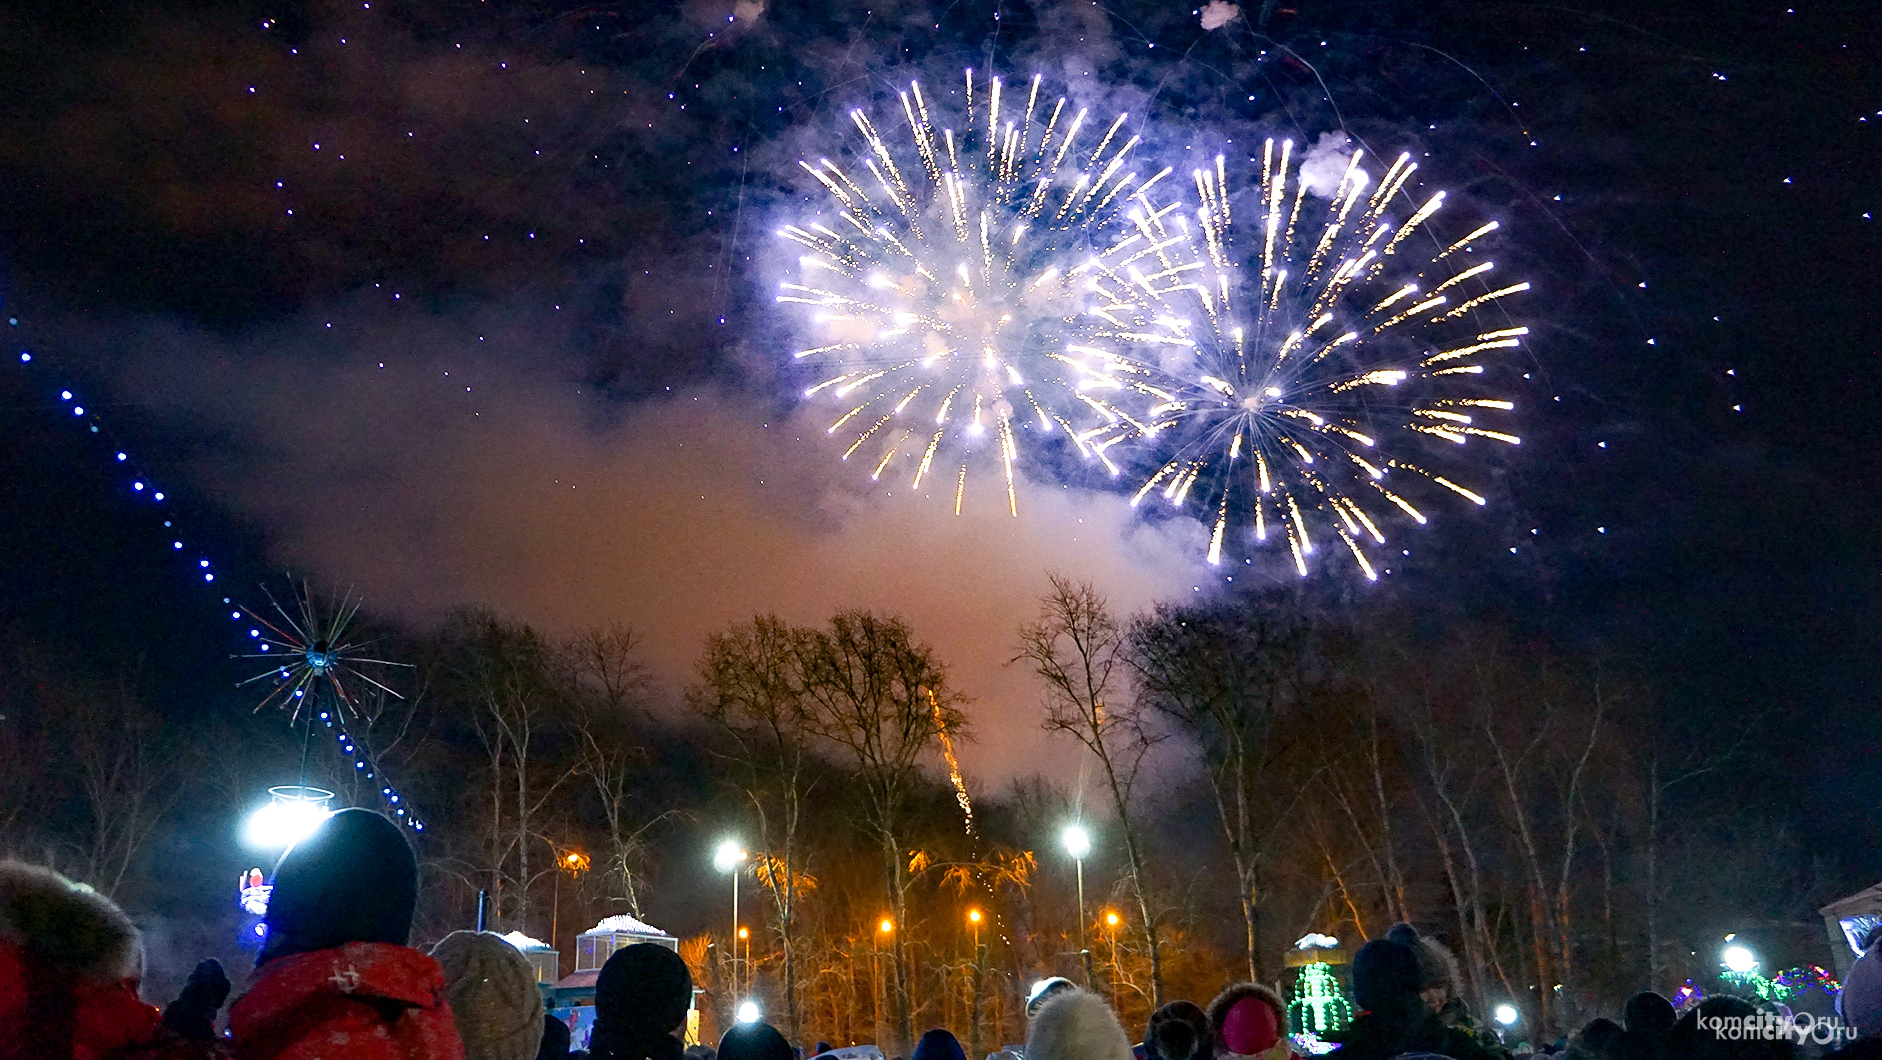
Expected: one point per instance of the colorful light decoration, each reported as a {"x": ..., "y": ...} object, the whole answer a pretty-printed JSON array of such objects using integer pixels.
[
  {"x": 1785, "y": 987},
  {"x": 1319, "y": 1007},
  {"x": 252, "y": 894},
  {"x": 142, "y": 487}
]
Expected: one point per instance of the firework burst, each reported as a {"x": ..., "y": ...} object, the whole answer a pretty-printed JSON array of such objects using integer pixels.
[
  {"x": 1318, "y": 387},
  {"x": 311, "y": 653},
  {"x": 970, "y": 286}
]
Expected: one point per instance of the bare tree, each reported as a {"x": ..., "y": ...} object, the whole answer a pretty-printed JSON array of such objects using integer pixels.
[
  {"x": 128, "y": 764},
  {"x": 882, "y": 700},
  {"x": 612, "y": 686},
  {"x": 508, "y": 674},
  {"x": 1078, "y": 648},
  {"x": 1222, "y": 679},
  {"x": 751, "y": 683}
]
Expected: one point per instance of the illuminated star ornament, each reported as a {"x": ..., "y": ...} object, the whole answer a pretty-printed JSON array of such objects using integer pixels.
[{"x": 312, "y": 653}]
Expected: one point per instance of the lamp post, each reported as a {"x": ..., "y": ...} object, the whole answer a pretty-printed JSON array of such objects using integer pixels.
[
  {"x": 744, "y": 936},
  {"x": 573, "y": 862},
  {"x": 1111, "y": 921},
  {"x": 884, "y": 928},
  {"x": 727, "y": 858},
  {"x": 1078, "y": 844},
  {"x": 974, "y": 918}
]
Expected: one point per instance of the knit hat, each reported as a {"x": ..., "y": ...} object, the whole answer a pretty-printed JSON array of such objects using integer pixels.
[
  {"x": 353, "y": 880},
  {"x": 938, "y": 1044},
  {"x": 1650, "y": 1014},
  {"x": 555, "y": 1039},
  {"x": 1436, "y": 966},
  {"x": 1179, "y": 1031},
  {"x": 641, "y": 997},
  {"x": 1384, "y": 973},
  {"x": 1045, "y": 990},
  {"x": 754, "y": 1041},
  {"x": 493, "y": 995},
  {"x": 1076, "y": 1025}
]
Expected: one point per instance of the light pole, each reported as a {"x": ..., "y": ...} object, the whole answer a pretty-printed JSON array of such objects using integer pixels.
[
  {"x": 974, "y": 917},
  {"x": 727, "y": 858},
  {"x": 884, "y": 928},
  {"x": 1111, "y": 921},
  {"x": 1078, "y": 844},
  {"x": 574, "y": 863}
]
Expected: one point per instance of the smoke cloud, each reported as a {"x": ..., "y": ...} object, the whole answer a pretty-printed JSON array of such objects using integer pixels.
[
  {"x": 444, "y": 480},
  {"x": 1325, "y": 163}
]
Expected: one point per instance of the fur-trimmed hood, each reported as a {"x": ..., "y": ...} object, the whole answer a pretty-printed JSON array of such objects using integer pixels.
[
  {"x": 1437, "y": 966},
  {"x": 1077, "y": 1025},
  {"x": 69, "y": 929}
]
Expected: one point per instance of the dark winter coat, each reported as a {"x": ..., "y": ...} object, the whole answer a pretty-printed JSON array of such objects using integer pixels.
[
  {"x": 361, "y": 1001},
  {"x": 1409, "y": 1026}
]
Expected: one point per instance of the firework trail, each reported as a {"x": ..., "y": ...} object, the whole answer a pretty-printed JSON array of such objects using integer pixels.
[
  {"x": 954, "y": 764},
  {"x": 971, "y": 284},
  {"x": 1331, "y": 377}
]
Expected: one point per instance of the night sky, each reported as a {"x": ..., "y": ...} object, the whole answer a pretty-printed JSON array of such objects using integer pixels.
[{"x": 471, "y": 304}]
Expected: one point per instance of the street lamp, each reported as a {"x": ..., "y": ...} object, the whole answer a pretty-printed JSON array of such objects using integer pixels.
[
  {"x": 1738, "y": 959},
  {"x": 727, "y": 857},
  {"x": 1111, "y": 921},
  {"x": 292, "y": 813},
  {"x": 748, "y": 1012},
  {"x": 1078, "y": 844},
  {"x": 1507, "y": 1015}
]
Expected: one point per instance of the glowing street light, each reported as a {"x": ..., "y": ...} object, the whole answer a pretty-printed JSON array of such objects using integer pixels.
[
  {"x": 886, "y": 926},
  {"x": 1078, "y": 844},
  {"x": 292, "y": 813},
  {"x": 1506, "y": 1014},
  {"x": 1738, "y": 959},
  {"x": 748, "y": 1012},
  {"x": 727, "y": 857}
]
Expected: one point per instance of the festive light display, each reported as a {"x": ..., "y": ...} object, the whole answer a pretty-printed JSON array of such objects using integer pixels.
[
  {"x": 311, "y": 661},
  {"x": 1319, "y": 1006},
  {"x": 1785, "y": 987}
]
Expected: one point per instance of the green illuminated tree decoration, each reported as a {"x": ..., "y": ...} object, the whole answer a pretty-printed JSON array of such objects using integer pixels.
[{"x": 1319, "y": 1007}]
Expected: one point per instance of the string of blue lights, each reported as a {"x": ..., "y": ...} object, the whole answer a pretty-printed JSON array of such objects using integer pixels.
[{"x": 143, "y": 486}]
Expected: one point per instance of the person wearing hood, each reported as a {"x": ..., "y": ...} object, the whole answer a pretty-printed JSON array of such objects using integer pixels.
[
  {"x": 641, "y": 998},
  {"x": 70, "y": 964},
  {"x": 1248, "y": 1020},
  {"x": 335, "y": 976},
  {"x": 1395, "y": 1017},
  {"x": 1076, "y": 1024},
  {"x": 938, "y": 1044},
  {"x": 555, "y": 1039},
  {"x": 756, "y": 1040},
  {"x": 1647, "y": 1023},
  {"x": 1179, "y": 1031},
  {"x": 1437, "y": 968},
  {"x": 493, "y": 996}
]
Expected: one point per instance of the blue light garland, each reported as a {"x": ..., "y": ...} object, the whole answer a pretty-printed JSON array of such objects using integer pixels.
[{"x": 143, "y": 487}]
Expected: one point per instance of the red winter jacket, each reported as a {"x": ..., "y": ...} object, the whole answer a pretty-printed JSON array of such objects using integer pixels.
[
  {"x": 361, "y": 1001},
  {"x": 68, "y": 976}
]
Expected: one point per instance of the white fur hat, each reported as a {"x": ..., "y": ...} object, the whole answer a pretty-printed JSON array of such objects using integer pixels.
[{"x": 1077, "y": 1025}]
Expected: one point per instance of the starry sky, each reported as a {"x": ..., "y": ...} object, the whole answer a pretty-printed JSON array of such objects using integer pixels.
[{"x": 471, "y": 304}]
